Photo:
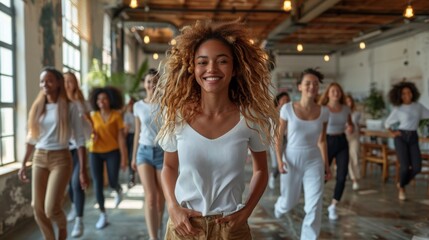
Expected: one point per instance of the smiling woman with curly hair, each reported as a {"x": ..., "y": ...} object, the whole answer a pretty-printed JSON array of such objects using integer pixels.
[
  {"x": 408, "y": 113},
  {"x": 216, "y": 104}
]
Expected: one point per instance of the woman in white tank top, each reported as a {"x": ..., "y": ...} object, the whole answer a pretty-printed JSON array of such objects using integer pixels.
[{"x": 305, "y": 162}]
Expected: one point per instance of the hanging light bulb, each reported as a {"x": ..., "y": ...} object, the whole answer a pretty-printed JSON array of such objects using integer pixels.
[
  {"x": 362, "y": 45},
  {"x": 287, "y": 5},
  {"x": 409, "y": 12},
  {"x": 173, "y": 42},
  {"x": 146, "y": 39},
  {"x": 133, "y": 4},
  {"x": 326, "y": 58},
  {"x": 252, "y": 41},
  {"x": 155, "y": 56},
  {"x": 299, "y": 47}
]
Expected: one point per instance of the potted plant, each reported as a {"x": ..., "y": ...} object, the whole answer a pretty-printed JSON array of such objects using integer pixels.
[{"x": 374, "y": 106}]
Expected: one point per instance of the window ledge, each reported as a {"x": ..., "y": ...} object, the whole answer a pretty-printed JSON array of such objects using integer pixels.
[{"x": 10, "y": 168}]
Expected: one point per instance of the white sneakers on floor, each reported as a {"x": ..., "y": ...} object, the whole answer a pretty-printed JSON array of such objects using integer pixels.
[
  {"x": 118, "y": 198},
  {"x": 102, "y": 221},
  {"x": 72, "y": 214},
  {"x": 277, "y": 214},
  {"x": 355, "y": 186},
  {"x": 77, "y": 230},
  {"x": 332, "y": 212}
]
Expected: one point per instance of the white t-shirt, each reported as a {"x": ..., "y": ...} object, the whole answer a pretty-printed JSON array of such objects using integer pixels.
[
  {"x": 48, "y": 138},
  {"x": 408, "y": 116},
  {"x": 303, "y": 134},
  {"x": 211, "y": 171},
  {"x": 146, "y": 112},
  {"x": 338, "y": 120},
  {"x": 82, "y": 108}
]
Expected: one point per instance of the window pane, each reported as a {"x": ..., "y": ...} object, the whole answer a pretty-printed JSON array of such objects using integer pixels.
[
  {"x": 6, "y": 25},
  {"x": 8, "y": 150},
  {"x": 6, "y": 121},
  {"x": 5, "y": 2},
  {"x": 76, "y": 64},
  {"x": 6, "y": 89},
  {"x": 65, "y": 53},
  {"x": 6, "y": 61}
]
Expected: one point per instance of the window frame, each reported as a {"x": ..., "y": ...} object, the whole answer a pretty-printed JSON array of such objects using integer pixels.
[{"x": 12, "y": 47}]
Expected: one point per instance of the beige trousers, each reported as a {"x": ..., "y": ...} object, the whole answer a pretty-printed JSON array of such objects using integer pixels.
[
  {"x": 354, "y": 149},
  {"x": 210, "y": 230},
  {"x": 51, "y": 174}
]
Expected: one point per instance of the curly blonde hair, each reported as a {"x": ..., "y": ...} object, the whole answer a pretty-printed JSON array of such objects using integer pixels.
[{"x": 179, "y": 94}]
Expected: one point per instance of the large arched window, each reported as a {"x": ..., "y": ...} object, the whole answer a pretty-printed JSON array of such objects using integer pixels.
[{"x": 7, "y": 83}]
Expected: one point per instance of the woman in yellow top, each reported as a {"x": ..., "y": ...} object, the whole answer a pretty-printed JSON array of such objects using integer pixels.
[{"x": 108, "y": 145}]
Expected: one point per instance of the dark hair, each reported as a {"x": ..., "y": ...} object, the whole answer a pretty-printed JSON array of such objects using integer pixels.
[
  {"x": 313, "y": 71},
  {"x": 116, "y": 100},
  {"x": 58, "y": 74},
  {"x": 151, "y": 72},
  {"x": 395, "y": 94},
  {"x": 353, "y": 106},
  {"x": 279, "y": 96}
]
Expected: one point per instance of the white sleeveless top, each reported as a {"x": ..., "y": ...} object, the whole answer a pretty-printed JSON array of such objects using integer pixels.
[{"x": 303, "y": 134}]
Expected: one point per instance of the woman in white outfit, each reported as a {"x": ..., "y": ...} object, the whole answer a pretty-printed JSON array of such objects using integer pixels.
[
  {"x": 305, "y": 162},
  {"x": 354, "y": 143},
  {"x": 215, "y": 99}
]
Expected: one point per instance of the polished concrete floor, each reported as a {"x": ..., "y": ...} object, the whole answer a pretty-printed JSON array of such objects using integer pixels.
[{"x": 373, "y": 212}]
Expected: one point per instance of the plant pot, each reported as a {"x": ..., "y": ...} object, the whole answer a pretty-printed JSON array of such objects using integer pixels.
[{"x": 374, "y": 124}]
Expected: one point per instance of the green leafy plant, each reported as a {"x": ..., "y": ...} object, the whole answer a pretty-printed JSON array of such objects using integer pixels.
[
  {"x": 100, "y": 76},
  {"x": 374, "y": 104}
]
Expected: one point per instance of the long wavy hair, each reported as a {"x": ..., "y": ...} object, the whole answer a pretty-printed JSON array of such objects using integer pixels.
[
  {"x": 76, "y": 94},
  {"x": 179, "y": 94},
  {"x": 38, "y": 109},
  {"x": 324, "y": 99}
]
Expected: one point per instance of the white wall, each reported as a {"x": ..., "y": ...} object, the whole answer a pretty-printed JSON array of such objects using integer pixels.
[{"x": 385, "y": 64}]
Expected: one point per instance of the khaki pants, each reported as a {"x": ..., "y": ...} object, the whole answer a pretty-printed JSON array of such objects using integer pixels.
[
  {"x": 51, "y": 173},
  {"x": 210, "y": 230}
]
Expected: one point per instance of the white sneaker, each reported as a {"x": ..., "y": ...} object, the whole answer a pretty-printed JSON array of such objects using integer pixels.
[
  {"x": 332, "y": 212},
  {"x": 72, "y": 214},
  {"x": 102, "y": 221},
  {"x": 118, "y": 198},
  {"x": 77, "y": 228},
  {"x": 272, "y": 182},
  {"x": 355, "y": 186},
  {"x": 277, "y": 214}
]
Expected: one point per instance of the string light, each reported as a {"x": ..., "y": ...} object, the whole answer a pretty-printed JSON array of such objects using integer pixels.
[
  {"x": 326, "y": 58},
  {"x": 362, "y": 45},
  {"x": 155, "y": 56},
  {"x": 299, "y": 47},
  {"x": 287, "y": 5},
  {"x": 409, "y": 12},
  {"x": 133, "y": 4},
  {"x": 173, "y": 42},
  {"x": 146, "y": 39}
]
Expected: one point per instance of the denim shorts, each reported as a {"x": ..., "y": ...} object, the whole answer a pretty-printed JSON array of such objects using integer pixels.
[{"x": 151, "y": 155}]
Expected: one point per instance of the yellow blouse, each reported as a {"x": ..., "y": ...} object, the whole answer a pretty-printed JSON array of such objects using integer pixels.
[{"x": 106, "y": 138}]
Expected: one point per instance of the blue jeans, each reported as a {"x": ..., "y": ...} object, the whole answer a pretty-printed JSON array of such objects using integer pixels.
[
  {"x": 154, "y": 156},
  {"x": 76, "y": 193},
  {"x": 409, "y": 156},
  {"x": 113, "y": 161},
  {"x": 130, "y": 147}
]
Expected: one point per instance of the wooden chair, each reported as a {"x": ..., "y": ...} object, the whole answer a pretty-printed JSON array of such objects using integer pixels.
[
  {"x": 382, "y": 155},
  {"x": 425, "y": 164}
]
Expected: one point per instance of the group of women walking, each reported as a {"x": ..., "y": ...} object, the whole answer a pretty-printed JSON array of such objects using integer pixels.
[{"x": 210, "y": 106}]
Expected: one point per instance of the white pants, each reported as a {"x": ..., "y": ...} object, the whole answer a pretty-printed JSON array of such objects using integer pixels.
[
  {"x": 305, "y": 168},
  {"x": 354, "y": 148}
]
